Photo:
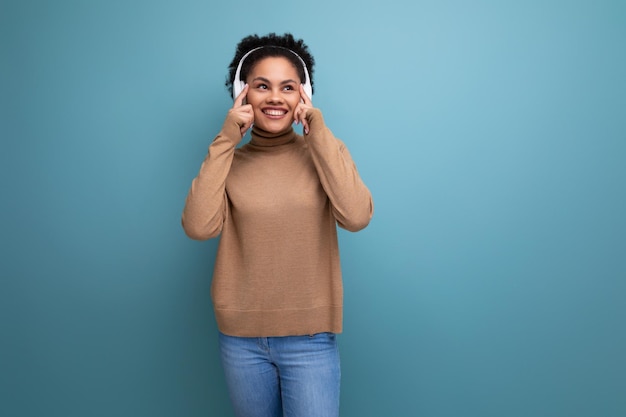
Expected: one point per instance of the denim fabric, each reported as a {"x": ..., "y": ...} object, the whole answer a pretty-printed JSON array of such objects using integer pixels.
[{"x": 293, "y": 376}]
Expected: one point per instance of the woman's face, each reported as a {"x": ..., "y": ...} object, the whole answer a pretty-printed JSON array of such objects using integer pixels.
[{"x": 274, "y": 93}]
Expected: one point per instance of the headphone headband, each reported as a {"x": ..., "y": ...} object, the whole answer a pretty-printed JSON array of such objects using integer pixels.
[{"x": 238, "y": 84}]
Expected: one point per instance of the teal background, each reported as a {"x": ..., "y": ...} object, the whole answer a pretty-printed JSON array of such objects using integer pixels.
[{"x": 492, "y": 134}]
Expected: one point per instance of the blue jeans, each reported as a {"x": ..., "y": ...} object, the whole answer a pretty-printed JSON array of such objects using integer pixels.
[{"x": 293, "y": 376}]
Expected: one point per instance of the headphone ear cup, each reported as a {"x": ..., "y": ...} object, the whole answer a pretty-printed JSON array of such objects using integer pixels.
[
  {"x": 237, "y": 88},
  {"x": 308, "y": 90}
]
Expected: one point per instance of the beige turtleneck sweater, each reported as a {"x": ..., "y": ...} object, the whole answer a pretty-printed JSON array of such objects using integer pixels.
[{"x": 276, "y": 202}]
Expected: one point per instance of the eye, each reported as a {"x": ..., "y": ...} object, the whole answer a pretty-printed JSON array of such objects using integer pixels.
[
  {"x": 262, "y": 86},
  {"x": 289, "y": 87}
]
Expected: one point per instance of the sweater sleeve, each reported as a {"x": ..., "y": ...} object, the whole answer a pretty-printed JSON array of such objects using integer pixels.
[
  {"x": 351, "y": 200},
  {"x": 206, "y": 205}
]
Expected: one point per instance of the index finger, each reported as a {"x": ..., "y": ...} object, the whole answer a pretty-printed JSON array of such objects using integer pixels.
[
  {"x": 239, "y": 101},
  {"x": 305, "y": 98}
]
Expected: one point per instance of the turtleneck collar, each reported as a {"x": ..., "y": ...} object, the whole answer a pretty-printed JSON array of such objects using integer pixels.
[{"x": 260, "y": 137}]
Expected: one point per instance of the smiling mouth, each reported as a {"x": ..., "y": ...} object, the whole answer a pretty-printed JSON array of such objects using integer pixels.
[{"x": 274, "y": 112}]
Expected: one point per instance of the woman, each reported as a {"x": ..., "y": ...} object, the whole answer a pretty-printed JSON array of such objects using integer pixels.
[{"x": 276, "y": 202}]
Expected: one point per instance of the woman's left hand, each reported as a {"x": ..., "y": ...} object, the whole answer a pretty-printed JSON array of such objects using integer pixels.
[{"x": 302, "y": 109}]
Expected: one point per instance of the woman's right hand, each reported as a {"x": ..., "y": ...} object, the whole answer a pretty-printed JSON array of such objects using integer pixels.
[{"x": 241, "y": 113}]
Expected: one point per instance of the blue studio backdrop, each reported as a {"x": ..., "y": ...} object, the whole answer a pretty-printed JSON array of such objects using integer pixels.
[{"x": 492, "y": 134}]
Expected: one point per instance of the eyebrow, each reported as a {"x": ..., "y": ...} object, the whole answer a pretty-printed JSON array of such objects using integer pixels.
[{"x": 265, "y": 80}]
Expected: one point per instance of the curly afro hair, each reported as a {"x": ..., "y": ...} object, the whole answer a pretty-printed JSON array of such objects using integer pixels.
[{"x": 274, "y": 46}]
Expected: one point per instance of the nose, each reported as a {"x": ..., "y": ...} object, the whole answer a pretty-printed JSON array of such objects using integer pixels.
[{"x": 275, "y": 96}]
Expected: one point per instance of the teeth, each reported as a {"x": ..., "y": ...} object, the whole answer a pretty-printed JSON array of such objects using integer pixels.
[{"x": 274, "y": 112}]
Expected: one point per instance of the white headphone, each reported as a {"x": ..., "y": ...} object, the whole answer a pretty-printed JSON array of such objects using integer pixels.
[{"x": 238, "y": 84}]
